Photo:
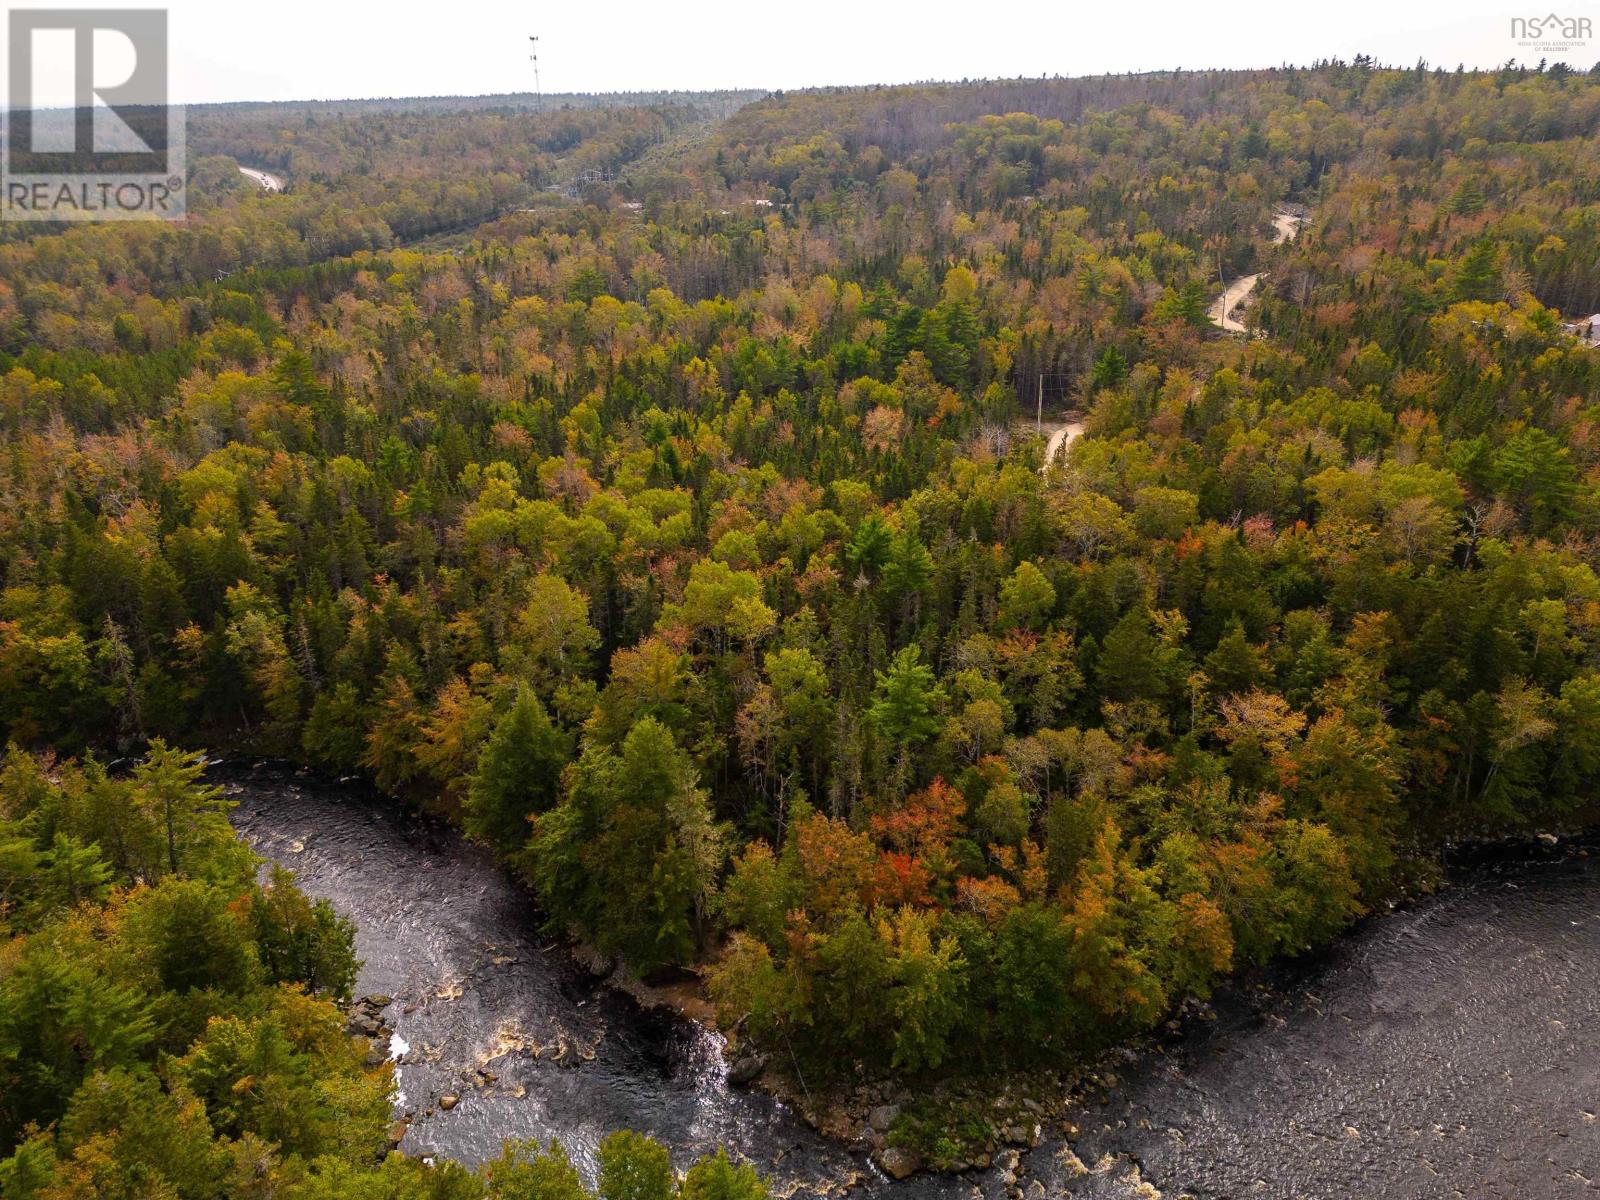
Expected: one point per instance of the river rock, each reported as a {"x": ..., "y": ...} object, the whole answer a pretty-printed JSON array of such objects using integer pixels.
[
  {"x": 598, "y": 965},
  {"x": 746, "y": 1068},
  {"x": 571, "y": 1054},
  {"x": 1022, "y": 1133},
  {"x": 1008, "y": 1161},
  {"x": 1071, "y": 1163},
  {"x": 446, "y": 1103},
  {"x": 881, "y": 1116},
  {"x": 898, "y": 1162},
  {"x": 365, "y": 1018}
]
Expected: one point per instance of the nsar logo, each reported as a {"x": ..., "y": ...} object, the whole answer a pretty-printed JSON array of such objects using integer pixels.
[{"x": 1552, "y": 32}]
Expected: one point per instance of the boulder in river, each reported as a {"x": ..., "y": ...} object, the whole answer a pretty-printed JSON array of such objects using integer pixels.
[
  {"x": 365, "y": 1018},
  {"x": 1023, "y": 1133},
  {"x": 898, "y": 1162},
  {"x": 881, "y": 1116},
  {"x": 746, "y": 1068},
  {"x": 598, "y": 965}
]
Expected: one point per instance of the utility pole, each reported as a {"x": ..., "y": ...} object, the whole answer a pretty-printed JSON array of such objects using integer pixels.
[
  {"x": 538, "y": 96},
  {"x": 1223, "y": 280}
]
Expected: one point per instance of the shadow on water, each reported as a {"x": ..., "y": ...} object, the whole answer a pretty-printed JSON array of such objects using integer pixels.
[{"x": 1445, "y": 1050}]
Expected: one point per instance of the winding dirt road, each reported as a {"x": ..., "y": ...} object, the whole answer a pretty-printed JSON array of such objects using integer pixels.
[
  {"x": 1061, "y": 436},
  {"x": 1286, "y": 226},
  {"x": 270, "y": 183}
]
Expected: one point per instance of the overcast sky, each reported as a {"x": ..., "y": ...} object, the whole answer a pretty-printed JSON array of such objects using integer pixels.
[{"x": 334, "y": 49}]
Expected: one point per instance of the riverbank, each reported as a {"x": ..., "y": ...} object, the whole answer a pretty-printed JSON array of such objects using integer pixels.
[
  {"x": 949, "y": 1127},
  {"x": 1441, "y": 1049},
  {"x": 993, "y": 1128},
  {"x": 534, "y": 1037},
  {"x": 500, "y": 1031},
  {"x": 960, "y": 1127},
  {"x": 489, "y": 1010}
]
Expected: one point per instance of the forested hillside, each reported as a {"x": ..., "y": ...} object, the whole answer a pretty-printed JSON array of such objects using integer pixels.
[{"x": 682, "y": 533}]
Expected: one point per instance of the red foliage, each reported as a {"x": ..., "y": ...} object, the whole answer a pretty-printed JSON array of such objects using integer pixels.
[
  {"x": 925, "y": 822},
  {"x": 900, "y": 879}
]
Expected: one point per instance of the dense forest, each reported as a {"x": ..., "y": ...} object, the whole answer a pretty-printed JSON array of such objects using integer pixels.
[{"x": 655, "y": 490}]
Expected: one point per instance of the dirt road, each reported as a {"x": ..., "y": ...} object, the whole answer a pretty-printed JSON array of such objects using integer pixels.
[
  {"x": 1061, "y": 436},
  {"x": 1286, "y": 225},
  {"x": 1222, "y": 310},
  {"x": 269, "y": 183}
]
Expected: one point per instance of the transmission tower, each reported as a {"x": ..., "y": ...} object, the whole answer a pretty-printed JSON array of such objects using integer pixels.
[{"x": 538, "y": 96}]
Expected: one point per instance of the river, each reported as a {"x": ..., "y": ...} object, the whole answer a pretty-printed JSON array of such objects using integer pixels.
[{"x": 1449, "y": 1049}]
